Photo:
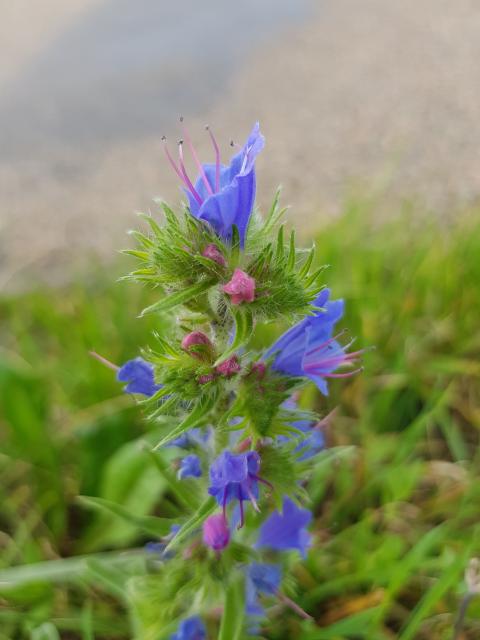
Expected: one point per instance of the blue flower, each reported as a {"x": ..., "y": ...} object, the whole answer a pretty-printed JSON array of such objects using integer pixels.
[
  {"x": 190, "y": 467},
  {"x": 140, "y": 377},
  {"x": 286, "y": 530},
  {"x": 308, "y": 349},
  {"x": 190, "y": 629},
  {"x": 222, "y": 195},
  {"x": 190, "y": 438},
  {"x": 260, "y": 579},
  {"x": 314, "y": 440},
  {"x": 234, "y": 477}
]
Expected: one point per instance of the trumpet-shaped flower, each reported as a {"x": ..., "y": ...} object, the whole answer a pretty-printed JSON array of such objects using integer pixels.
[
  {"x": 286, "y": 530},
  {"x": 139, "y": 375},
  {"x": 222, "y": 195},
  {"x": 190, "y": 467},
  {"x": 234, "y": 477},
  {"x": 308, "y": 349}
]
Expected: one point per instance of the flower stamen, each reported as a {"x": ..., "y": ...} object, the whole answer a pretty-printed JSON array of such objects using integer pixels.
[
  {"x": 196, "y": 158},
  {"x": 217, "y": 159}
]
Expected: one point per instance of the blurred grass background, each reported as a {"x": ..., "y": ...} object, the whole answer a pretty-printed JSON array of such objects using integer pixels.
[{"x": 396, "y": 514}]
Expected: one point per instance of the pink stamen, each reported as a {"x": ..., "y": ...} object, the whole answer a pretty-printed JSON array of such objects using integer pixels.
[
  {"x": 196, "y": 158},
  {"x": 172, "y": 161},
  {"x": 104, "y": 361},
  {"x": 217, "y": 159},
  {"x": 263, "y": 481},
  {"x": 326, "y": 343},
  {"x": 186, "y": 179},
  {"x": 342, "y": 375},
  {"x": 336, "y": 361},
  {"x": 294, "y": 606},
  {"x": 242, "y": 517}
]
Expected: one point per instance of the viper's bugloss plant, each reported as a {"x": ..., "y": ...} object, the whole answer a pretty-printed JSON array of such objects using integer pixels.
[{"x": 230, "y": 412}]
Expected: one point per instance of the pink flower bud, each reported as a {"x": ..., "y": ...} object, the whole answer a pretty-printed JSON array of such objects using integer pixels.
[
  {"x": 259, "y": 369},
  {"x": 241, "y": 287},
  {"x": 205, "y": 378},
  {"x": 215, "y": 532},
  {"x": 212, "y": 252},
  {"x": 197, "y": 344},
  {"x": 229, "y": 367}
]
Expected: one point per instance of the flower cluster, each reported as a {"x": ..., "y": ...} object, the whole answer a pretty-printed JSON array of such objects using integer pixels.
[{"x": 229, "y": 416}]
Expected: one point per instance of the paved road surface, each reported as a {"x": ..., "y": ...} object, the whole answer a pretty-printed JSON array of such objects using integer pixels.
[{"x": 382, "y": 91}]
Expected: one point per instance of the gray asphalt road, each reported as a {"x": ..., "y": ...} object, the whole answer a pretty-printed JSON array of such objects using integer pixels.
[
  {"x": 125, "y": 69},
  {"x": 378, "y": 92}
]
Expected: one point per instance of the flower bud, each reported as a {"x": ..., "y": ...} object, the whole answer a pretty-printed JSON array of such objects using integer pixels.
[
  {"x": 229, "y": 367},
  {"x": 259, "y": 369},
  {"x": 241, "y": 287},
  {"x": 198, "y": 345},
  {"x": 215, "y": 532},
  {"x": 206, "y": 378},
  {"x": 212, "y": 252}
]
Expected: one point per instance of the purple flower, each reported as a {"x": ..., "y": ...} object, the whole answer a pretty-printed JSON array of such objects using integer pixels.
[
  {"x": 222, "y": 195},
  {"x": 234, "y": 477},
  {"x": 216, "y": 533},
  {"x": 190, "y": 629},
  {"x": 286, "y": 530},
  {"x": 140, "y": 377},
  {"x": 308, "y": 349},
  {"x": 190, "y": 467}
]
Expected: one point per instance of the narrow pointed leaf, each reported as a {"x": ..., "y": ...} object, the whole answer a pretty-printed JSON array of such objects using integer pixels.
[
  {"x": 180, "y": 297},
  {"x": 191, "y": 420},
  {"x": 149, "y": 524}
]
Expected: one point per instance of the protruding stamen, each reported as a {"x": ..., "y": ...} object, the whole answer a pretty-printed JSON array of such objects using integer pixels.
[
  {"x": 184, "y": 174},
  {"x": 242, "y": 517},
  {"x": 217, "y": 159},
  {"x": 196, "y": 158},
  {"x": 347, "y": 374},
  {"x": 326, "y": 343},
  {"x": 294, "y": 606},
  {"x": 263, "y": 481},
  {"x": 104, "y": 361}
]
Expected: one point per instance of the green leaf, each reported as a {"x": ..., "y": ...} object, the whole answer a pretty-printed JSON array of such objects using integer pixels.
[
  {"x": 64, "y": 570},
  {"x": 235, "y": 247},
  {"x": 150, "y": 524},
  {"x": 243, "y": 319},
  {"x": 180, "y": 297},
  {"x": 292, "y": 253},
  {"x": 46, "y": 631},
  {"x": 201, "y": 514},
  {"x": 205, "y": 405},
  {"x": 280, "y": 248},
  {"x": 234, "y": 611},
  {"x": 177, "y": 487}
]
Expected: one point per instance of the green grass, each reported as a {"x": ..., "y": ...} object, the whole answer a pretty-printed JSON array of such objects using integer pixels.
[{"x": 396, "y": 512}]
